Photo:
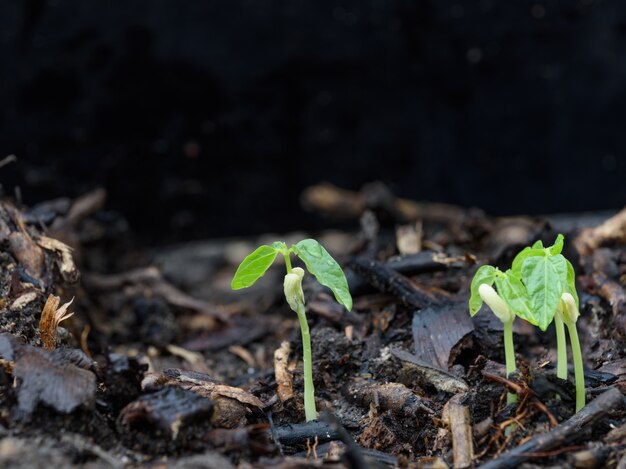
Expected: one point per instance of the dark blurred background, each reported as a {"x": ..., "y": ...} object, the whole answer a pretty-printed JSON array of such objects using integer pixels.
[{"x": 205, "y": 118}]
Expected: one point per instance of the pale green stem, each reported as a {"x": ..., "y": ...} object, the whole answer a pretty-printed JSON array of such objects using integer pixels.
[
  {"x": 287, "y": 262},
  {"x": 579, "y": 372},
  {"x": 561, "y": 348},
  {"x": 509, "y": 356},
  {"x": 309, "y": 390}
]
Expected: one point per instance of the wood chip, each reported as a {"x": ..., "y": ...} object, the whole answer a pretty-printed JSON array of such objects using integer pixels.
[
  {"x": 612, "y": 231},
  {"x": 284, "y": 377},
  {"x": 457, "y": 416},
  {"x": 430, "y": 375},
  {"x": 64, "y": 261},
  {"x": 203, "y": 385},
  {"x": 51, "y": 317},
  {"x": 27, "y": 253},
  {"x": 409, "y": 238},
  {"x": 24, "y": 299}
]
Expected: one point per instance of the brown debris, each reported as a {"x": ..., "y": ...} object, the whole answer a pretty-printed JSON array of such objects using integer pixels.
[
  {"x": 409, "y": 238},
  {"x": 168, "y": 408},
  {"x": 566, "y": 433},
  {"x": 611, "y": 232},
  {"x": 27, "y": 253},
  {"x": 253, "y": 438},
  {"x": 151, "y": 281},
  {"x": 385, "y": 396},
  {"x": 387, "y": 280},
  {"x": 591, "y": 458},
  {"x": 51, "y": 378},
  {"x": 51, "y": 316},
  {"x": 64, "y": 260},
  {"x": 378, "y": 435},
  {"x": 614, "y": 294},
  {"x": 232, "y": 405},
  {"x": 333, "y": 201},
  {"x": 427, "y": 374},
  {"x": 284, "y": 376},
  {"x": 25, "y": 298},
  {"x": 457, "y": 416},
  {"x": 232, "y": 333},
  {"x": 82, "y": 207},
  {"x": 512, "y": 232},
  {"x": 437, "y": 331}
]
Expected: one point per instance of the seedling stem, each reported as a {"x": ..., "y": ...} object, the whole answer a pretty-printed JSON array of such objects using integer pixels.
[
  {"x": 570, "y": 316},
  {"x": 309, "y": 390},
  {"x": 561, "y": 348},
  {"x": 504, "y": 314}
]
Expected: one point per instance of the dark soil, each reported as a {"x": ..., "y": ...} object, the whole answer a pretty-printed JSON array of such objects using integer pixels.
[{"x": 161, "y": 364}]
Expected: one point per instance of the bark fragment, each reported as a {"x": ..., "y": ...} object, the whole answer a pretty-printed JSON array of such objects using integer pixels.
[
  {"x": 386, "y": 396},
  {"x": 457, "y": 416},
  {"x": 232, "y": 405},
  {"x": 284, "y": 377},
  {"x": 611, "y": 232},
  {"x": 168, "y": 408}
]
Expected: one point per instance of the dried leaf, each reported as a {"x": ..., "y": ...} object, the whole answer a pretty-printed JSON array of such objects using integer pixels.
[
  {"x": 51, "y": 378},
  {"x": 205, "y": 386}
]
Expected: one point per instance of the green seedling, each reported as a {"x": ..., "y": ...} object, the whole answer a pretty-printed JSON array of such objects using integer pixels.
[
  {"x": 482, "y": 291},
  {"x": 327, "y": 272},
  {"x": 569, "y": 313},
  {"x": 551, "y": 284},
  {"x": 539, "y": 288}
]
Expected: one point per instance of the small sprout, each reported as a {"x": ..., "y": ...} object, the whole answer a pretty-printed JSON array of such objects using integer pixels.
[
  {"x": 327, "y": 272},
  {"x": 502, "y": 311},
  {"x": 569, "y": 312},
  {"x": 540, "y": 287}
]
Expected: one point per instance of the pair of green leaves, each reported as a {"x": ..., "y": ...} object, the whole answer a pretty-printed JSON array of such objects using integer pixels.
[
  {"x": 533, "y": 286},
  {"x": 317, "y": 260}
]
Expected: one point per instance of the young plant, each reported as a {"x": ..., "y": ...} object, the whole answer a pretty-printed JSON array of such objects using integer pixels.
[
  {"x": 539, "y": 288},
  {"x": 551, "y": 283},
  {"x": 505, "y": 304},
  {"x": 327, "y": 272}
]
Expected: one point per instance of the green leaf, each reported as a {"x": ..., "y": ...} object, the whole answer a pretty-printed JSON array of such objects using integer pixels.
[
  {"x": 253, "y": 267},
  {"x": 325, "y": 268},
  {"x": 543, "y": 278},
  {"x": 559, "y": 263},
  {"x": 571, "y": 282},
  {"x": 516, "y": 266},
  {"x": 557, "y": 247},
  {"x": 513, "y": 292},
  {"x": 485, "y": 274}
]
